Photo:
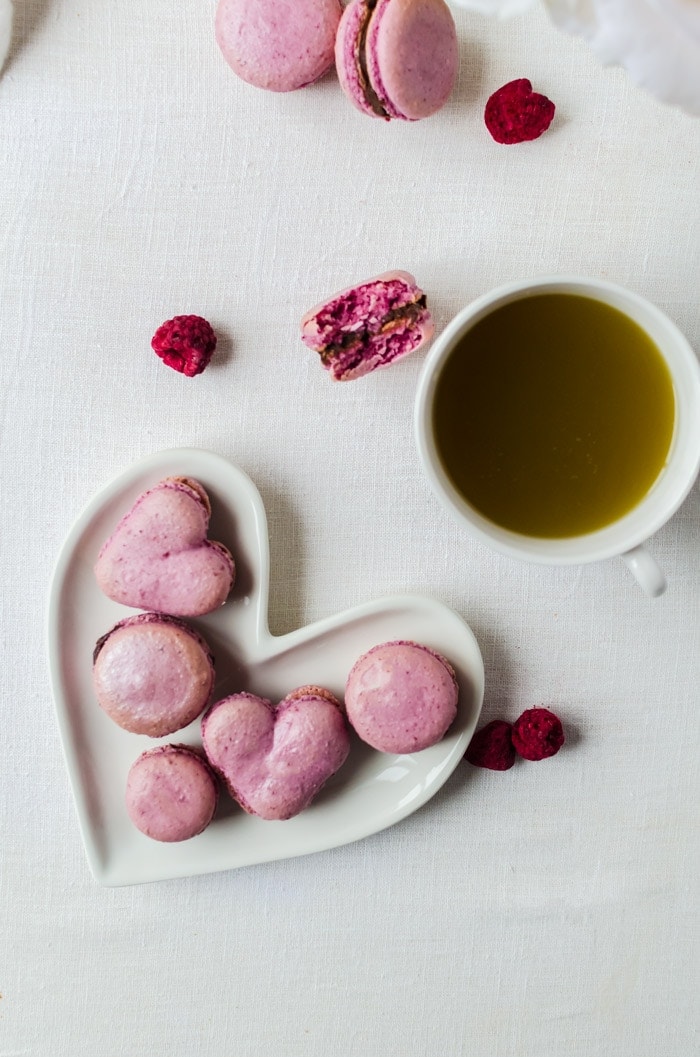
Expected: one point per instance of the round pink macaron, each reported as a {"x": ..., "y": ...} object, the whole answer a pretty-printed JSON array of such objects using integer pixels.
[
  {"x": 171, "y": 793},
  {"x": 401, "y": 697},
  {"x": 278, "y": 44},
  {"x": 152, "y": 674},
  {"x": 397, "y": 58}
]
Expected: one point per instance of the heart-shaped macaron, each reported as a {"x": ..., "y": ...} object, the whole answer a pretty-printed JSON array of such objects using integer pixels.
[
  {"x": 159, "y": 557},
  {"x": 274, "y": 760}
]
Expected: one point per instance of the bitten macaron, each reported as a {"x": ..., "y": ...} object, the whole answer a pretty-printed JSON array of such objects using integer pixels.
[
  {"x": 152, "y": 674},
  {"x": 368, "y": 326},
  {"x": 397, "y": 59},
  {"x": 279, "y": 45},
  {"x": 401, "y": 697}
]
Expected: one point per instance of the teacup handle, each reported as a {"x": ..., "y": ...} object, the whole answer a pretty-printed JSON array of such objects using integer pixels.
[{"x": 646, "y": 571}]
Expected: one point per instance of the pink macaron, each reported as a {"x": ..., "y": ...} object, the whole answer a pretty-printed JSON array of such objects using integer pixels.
[
  {"x": 152, "y": 674},
  {"x": 274, "y": 759},
  {"x": 280, "y": 45},
  {"x": 159, "y": 556},
  {"x": 401, "y": 697},
  {"x": 171, "y": 793},
  {"x": 397, "y": 58},
  {"x": 368, "y": 326}
]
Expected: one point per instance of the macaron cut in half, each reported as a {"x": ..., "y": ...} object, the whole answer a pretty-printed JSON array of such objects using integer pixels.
[
  {"x": 279, "y": 45},
  {"x": 397, "y": 59},
  {"x": 368, "y": 326}
]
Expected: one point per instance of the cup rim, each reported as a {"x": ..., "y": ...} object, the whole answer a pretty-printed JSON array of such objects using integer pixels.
[{"x": 666, "y": 494}]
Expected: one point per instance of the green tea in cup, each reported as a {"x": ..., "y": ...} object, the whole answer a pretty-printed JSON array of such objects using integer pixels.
[
  {"x": 553, "y": 414},
  {"x": 558, "y": 421}
]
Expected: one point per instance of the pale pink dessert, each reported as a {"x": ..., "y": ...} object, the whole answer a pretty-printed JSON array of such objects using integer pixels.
[
  {"x": 152, "y": 674},
  {"x": 397, "y": 58},
  {"x": 401, "y": 697},
  {"x": 171, "y": 793},
  {"x": 280, "y": 45},
  {"x": 275, "y": 760},
  {"x": 159, "y": 557},
  {"x": 368, "y": 326}
]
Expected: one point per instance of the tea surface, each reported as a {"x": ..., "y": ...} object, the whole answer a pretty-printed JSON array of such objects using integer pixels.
[{"x": 554, "y": 415}]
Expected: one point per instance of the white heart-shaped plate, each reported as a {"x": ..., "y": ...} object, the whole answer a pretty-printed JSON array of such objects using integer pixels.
[{"x": 370, "y": 792}]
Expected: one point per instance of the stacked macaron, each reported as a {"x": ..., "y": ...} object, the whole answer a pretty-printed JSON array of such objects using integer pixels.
[{"x": 396, "y": 59}]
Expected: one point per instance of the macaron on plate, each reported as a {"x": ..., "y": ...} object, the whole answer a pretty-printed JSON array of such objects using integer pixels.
[{"x": 371, "y": 791}]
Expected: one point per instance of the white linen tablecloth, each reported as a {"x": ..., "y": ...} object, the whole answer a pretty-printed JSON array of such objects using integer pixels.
[{"x": 549, "y": 910}]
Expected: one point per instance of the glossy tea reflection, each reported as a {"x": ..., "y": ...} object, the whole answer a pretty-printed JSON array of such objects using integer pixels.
[{"x": 553, "y": 415}]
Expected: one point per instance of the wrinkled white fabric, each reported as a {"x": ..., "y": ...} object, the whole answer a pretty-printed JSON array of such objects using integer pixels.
[
  {"x": 657, "y": 41},
  {"x": 5, "y": 29}
]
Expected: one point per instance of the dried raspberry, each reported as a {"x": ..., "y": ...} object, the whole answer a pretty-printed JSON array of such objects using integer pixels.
[
  {"x": 492, "y": 747},
  {"x": 537, "y": 734},
  {"x": 515, "y": 113},
  {"x": 185, "y": 343}
]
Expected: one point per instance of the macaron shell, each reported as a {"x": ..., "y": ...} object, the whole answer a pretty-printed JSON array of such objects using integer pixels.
[
  {"x": 279, "y": 45},
  {"x": 401, "y": 697},
  {"x": 275, "y": 760},
  {"x": 412, "y": 56},
  {"x": 159, "y": 556},
  {"x": 152, "y": 675},
  {"x": 347, "y": 58},
  {"x": 171, "y": 793},
  {"x": 308, "y": 326}
]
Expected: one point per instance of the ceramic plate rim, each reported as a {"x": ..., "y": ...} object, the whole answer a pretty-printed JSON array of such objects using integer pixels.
[{"x": 166, "y": 463}]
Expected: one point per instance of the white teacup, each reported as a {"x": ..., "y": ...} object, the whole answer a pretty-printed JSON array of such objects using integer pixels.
[{"x": 625, "y": 536}]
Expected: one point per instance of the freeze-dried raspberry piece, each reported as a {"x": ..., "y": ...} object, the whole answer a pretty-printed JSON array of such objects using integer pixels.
[
  {"x": 537, "y": 734},
  {"x": 515, "y": 113},
  {"x": 185, "y": 343},
  {"x": 492, "y": 747}
]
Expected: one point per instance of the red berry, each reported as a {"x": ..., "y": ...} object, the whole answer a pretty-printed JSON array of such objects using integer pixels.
[
  {"x": 492, "y": 747},
  {"x": 515, "y": 113},
  {"x": 537, "y": 734},
  {"x": 185, "y": 343}
]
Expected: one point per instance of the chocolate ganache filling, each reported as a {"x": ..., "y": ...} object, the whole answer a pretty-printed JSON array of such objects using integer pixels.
[
  {"x": 394, "y": 319},
  {"x": 371, "y": 97}
]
